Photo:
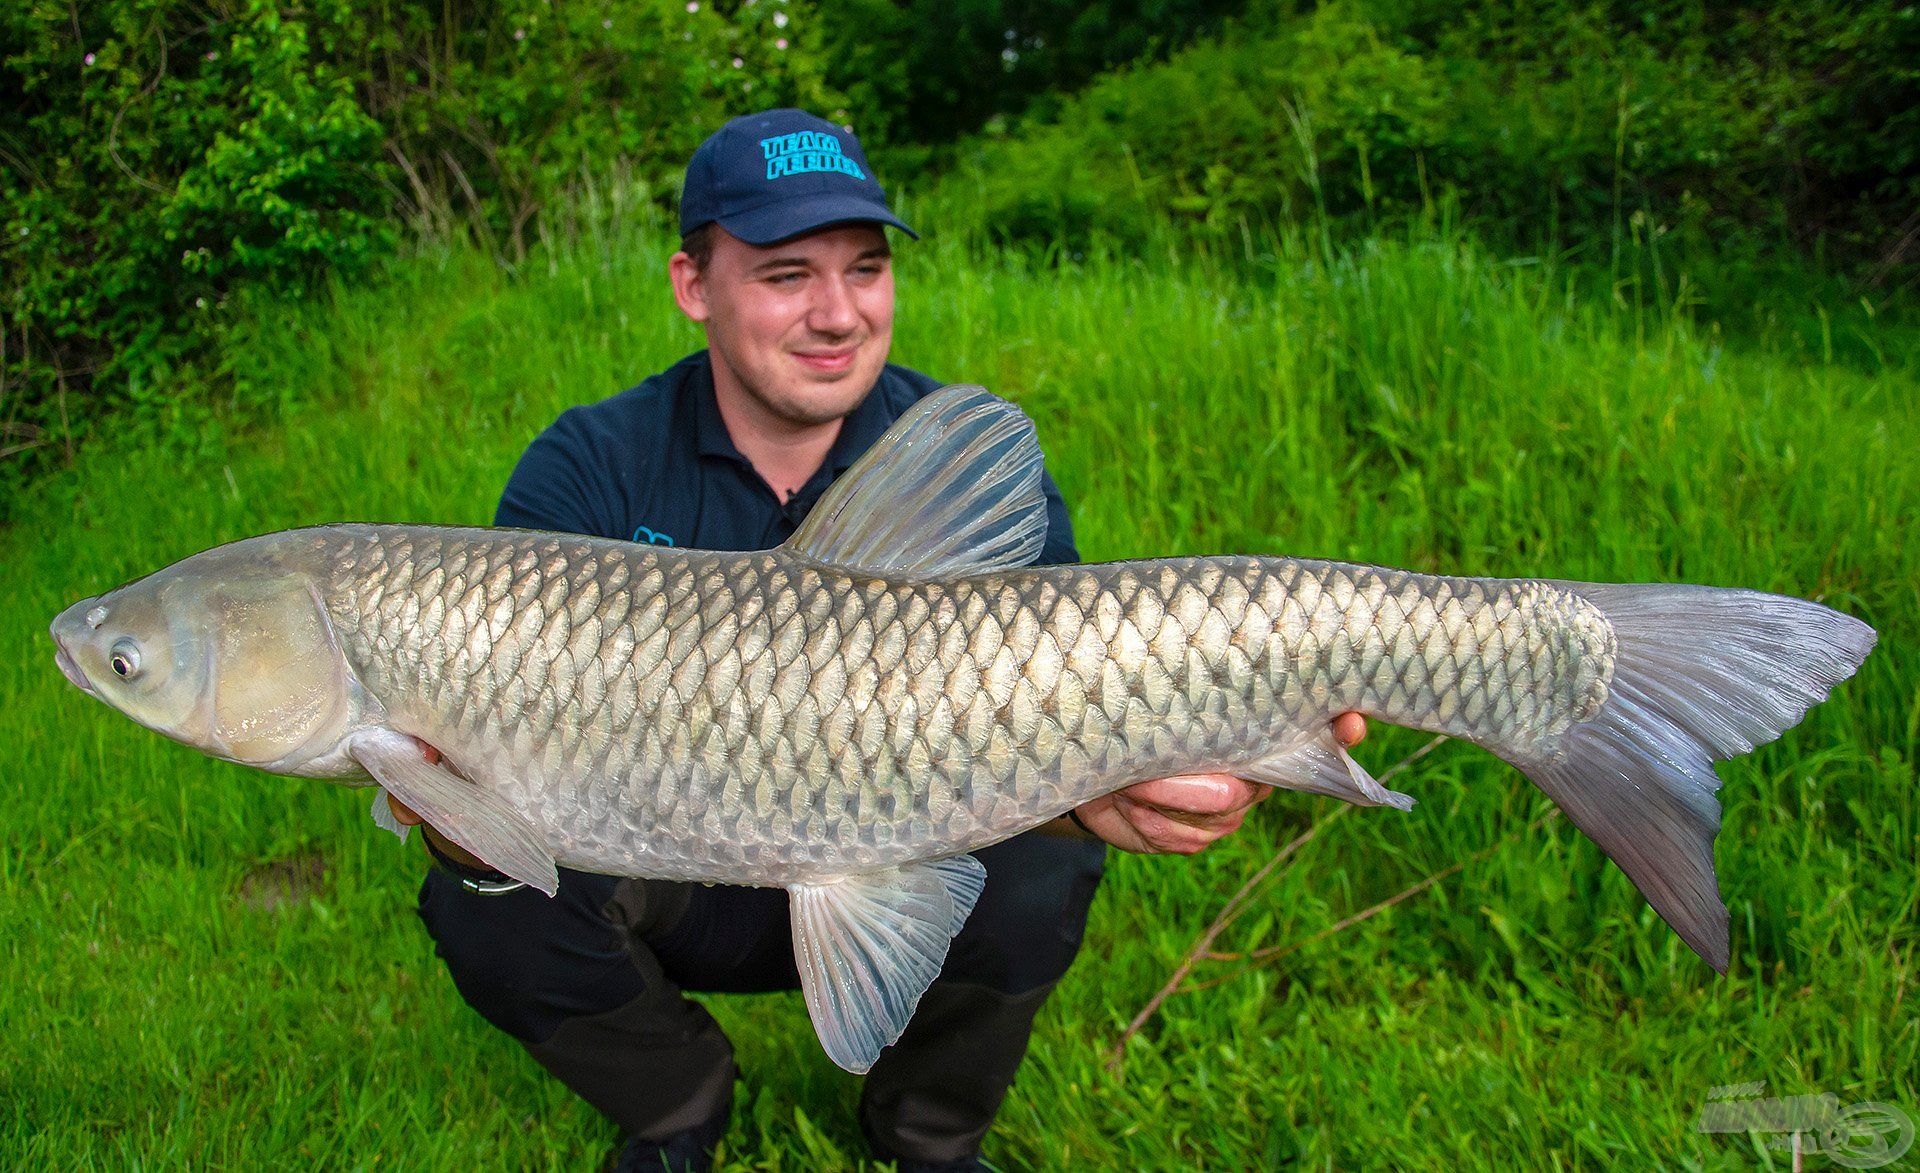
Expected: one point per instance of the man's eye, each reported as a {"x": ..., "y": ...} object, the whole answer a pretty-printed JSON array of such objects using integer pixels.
[{"x": 785, "y": 278}]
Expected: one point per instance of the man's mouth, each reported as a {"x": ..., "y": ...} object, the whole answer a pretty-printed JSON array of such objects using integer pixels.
[{"x": 827, "y": 361}]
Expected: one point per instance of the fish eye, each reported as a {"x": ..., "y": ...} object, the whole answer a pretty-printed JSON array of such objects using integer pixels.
[{"x": 125, "y": 660}]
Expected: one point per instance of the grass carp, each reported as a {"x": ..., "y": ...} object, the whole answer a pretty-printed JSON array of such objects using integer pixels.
[{"x": 849, "y": 715}]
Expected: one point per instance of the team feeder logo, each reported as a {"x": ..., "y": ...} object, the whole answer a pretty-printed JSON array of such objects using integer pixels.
[{"x": 806, "y": 151}]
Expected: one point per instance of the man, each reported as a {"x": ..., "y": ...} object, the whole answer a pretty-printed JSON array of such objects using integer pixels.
[{"x": 785, "y": 263}]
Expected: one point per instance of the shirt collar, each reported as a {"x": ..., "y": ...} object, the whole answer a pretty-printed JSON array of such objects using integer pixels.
[
  {"x": 710, "y": 430},
  {"x": 864, "y": 425},
  {"x": 858, "y": 431}
]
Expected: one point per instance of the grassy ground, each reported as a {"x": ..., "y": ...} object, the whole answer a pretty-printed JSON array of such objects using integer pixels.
[{"x": 209, "y": 966}]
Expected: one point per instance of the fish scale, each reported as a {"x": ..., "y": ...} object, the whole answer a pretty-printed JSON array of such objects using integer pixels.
[{"x": 750, "y": 664}]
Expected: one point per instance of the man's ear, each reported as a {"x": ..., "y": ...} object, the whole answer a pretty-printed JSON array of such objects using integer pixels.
[{"x": 689, "y": 286}]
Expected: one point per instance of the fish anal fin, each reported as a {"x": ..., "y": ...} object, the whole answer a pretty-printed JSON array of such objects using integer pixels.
[
  {"x": 1323, "y": 766},
  {"x": 869, "y": 946},
  {"x": 472, "y": 816}
]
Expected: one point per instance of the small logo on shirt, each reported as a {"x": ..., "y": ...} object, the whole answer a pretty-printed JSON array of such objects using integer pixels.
[
  {"x": 643, "y": 534},
  {"x": 809, "y": 150}
]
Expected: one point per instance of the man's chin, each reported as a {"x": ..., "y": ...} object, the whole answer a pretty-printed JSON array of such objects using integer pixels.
[
  {"x": 833, "y": 393},
  {"x": 821, "y": 401}
]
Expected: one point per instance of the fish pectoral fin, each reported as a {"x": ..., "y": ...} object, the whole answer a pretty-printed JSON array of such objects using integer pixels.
[
  {"x": 383, "y": 815},
  {"x": 868, "y": 946},
  {"x": 1323, "y": 766},
  {"x": 952, "y": 488},
  {"x": 475, "y": 818}
]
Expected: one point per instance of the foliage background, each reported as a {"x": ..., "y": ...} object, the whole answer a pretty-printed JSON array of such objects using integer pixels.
[
  {"x": 204, "y": 965},
  {"x": 166, "y": 160},
  {"x": 1609, "y": 290}
]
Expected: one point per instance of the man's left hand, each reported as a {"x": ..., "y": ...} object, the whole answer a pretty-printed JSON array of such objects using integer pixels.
[{"x": 1182, "y": 815}]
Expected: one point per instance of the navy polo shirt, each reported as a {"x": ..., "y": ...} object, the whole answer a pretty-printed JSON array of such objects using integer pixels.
[{"x": 656, "y": 464}]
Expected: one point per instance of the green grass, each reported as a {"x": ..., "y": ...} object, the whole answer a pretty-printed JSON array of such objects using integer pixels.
[{"x": 1410, "y": 402}]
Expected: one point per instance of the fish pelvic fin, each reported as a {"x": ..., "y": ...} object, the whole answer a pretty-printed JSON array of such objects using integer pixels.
[
  {"x": 475, "y": 818},
  {"x": 869, "y": 946},
  {"x": 1701, "y": 674},
  {"x": 953, "y": 488},
  {"x": 383, "y": 817}
]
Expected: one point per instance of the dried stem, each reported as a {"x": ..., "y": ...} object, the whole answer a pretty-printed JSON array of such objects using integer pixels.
[
  {"x": 1275, "y": 951},
  {"x": 1230, "y": 911},
  {"x": 1206, "y": 939}
]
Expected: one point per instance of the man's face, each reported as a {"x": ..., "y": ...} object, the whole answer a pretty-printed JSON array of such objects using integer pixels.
[{"x": 802, "y": 327}]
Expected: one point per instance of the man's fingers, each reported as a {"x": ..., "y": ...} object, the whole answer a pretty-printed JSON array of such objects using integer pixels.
[
  {"x": 1350, "y": 728},
  {"x": 1196, "y": 798},
  {"x": 1166, "y": 831},
  {"x": 401, "y": 811},
  {"x": 403, "y": 814}
]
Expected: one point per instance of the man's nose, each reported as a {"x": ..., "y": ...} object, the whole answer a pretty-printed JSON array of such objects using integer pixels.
[{"x": 833, "y": 310}]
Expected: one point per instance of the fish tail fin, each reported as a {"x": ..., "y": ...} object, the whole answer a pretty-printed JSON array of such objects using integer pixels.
[{"x": 1701, "y": 674}]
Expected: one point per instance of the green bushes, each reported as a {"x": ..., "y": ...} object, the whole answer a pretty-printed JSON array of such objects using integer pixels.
[
  {"x": 164, "y": 158},
  {"x": 920, "y": 73},
  {"x": 1553, "y": 122}
]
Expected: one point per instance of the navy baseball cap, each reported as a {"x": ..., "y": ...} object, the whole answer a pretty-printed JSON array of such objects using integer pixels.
[{"x": 771, "y": 176}]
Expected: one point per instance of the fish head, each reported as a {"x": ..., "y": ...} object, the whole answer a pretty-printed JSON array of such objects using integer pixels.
[{"x": 231, "y": 654}]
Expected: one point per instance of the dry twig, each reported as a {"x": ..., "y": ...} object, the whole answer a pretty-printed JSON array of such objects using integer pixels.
[
  {"x": 1275, "y": 951},
  {"x": 1231, "y": 910}
]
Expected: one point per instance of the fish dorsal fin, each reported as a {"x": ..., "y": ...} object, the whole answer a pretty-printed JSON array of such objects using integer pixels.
[
  {"x": 868, "y": 946},
  {"x": 952, "y": 488}
]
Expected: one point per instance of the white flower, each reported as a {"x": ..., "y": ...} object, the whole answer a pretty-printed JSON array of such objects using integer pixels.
[
  {"x": 519, "y": 34},
  {"x": 606, "y": 24},
  {"x": 738, "y": 64},
  {"x": 781, "y": 43},
  {"x": 89, "y": 59},
  {"x": 693, "y": 5},
  {"x": 779, "y": 20}
]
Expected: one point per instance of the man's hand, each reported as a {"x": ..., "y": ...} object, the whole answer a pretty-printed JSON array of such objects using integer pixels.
[
  {"x": 1182, "y": 815},
  {"x": 406, "y": 817}
]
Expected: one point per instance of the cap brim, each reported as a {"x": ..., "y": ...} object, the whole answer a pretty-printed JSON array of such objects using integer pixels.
[{"x": 786, "y": 219}]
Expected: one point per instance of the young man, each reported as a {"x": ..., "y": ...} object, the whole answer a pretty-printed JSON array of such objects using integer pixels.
[{"x": 785, "y": 264}]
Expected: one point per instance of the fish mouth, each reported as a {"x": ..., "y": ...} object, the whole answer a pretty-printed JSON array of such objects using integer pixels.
[{"x": 70, "y": 669}]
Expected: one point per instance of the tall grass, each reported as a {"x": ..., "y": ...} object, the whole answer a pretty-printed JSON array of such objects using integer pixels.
[{"x": 206, "y": 965}]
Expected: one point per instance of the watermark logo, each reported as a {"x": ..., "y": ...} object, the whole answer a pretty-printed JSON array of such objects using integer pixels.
[
  {"x": 1854, "y": 1136},
  {"x": 651, "y": 537}
]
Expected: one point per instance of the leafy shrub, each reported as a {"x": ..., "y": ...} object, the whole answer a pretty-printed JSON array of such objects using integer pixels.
[
  {"x": 164, "y": 156},
  {"x": 1559, "y": 121},
  {"x": 920, "y": 73}
]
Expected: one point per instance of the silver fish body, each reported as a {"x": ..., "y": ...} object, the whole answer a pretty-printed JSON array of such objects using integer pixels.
[
  {"x": 851, "y": 714},
  {"x": 755, "y": 719}
]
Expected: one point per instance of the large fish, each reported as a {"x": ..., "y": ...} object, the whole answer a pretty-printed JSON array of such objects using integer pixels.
[{"x": 850, "y": 714}]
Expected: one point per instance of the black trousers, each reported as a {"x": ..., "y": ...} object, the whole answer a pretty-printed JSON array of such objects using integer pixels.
[{"x": 590, "y": 983}]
